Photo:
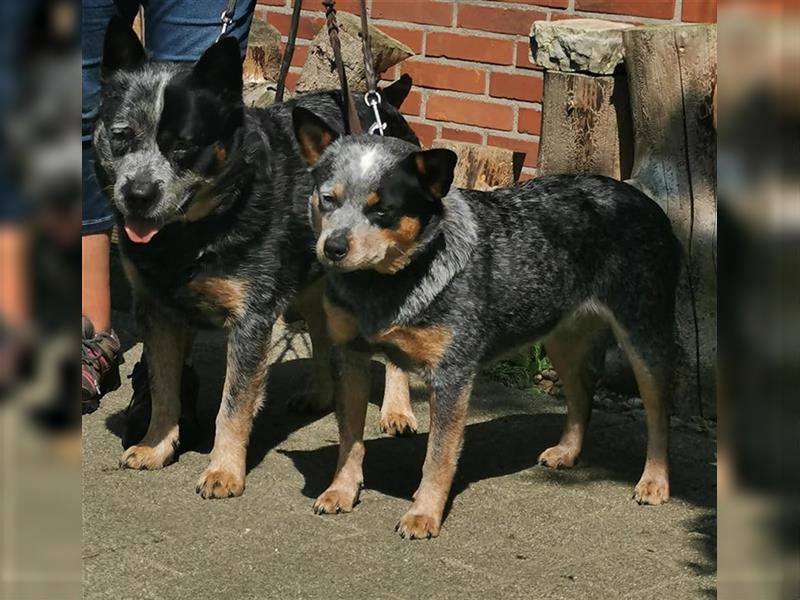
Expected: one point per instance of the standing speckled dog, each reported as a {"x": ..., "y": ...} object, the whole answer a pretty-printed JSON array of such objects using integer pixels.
[
  {"x": 445, "y": 279},
  {"x": 211, "y": 199}
]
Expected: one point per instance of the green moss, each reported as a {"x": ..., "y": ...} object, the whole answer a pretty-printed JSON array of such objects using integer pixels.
[{"x": 518, "y": 370}]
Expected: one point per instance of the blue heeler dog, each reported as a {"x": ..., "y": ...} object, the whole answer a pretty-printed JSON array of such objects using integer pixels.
[
  {"x": 211, "y": 202},
  {"x": 444, "y": 279}
]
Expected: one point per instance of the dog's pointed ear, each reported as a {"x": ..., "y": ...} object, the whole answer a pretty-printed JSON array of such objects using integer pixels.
[
  {"x": 435, "y": 170},
  {"x": 122, "y": 49},
  {"x": 396, "y": 93},
  {"x": 220, "y": 67},
  {"x": 312, "y": 133}
]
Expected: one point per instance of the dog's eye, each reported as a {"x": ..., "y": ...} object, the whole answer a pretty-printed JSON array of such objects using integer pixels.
[
  {"x": 329, "y": 201},
  {"x": 121, "y": 133}
]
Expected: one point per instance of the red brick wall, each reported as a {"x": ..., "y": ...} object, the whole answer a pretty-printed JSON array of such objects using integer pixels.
[{"x": 473, "y": 80}]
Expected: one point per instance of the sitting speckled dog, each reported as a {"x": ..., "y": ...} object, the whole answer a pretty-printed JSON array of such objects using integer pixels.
[{"x": 445, "y": 279}]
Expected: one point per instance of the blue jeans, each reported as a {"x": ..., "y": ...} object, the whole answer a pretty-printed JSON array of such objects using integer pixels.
[
  {"x": 175, "y": 30},
  {"x": 14, "y": 21}
]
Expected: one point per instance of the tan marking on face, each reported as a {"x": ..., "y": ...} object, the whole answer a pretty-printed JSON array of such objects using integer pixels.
[
  {"x": 400, "y": 243},
  {"x": 202, "y": 204},
  {"x": 373, "y": 198},
  {"x": 230, "y": 294},
  {"x": 316, "y": 216},
  {"x": 338, "y": 190},
  {"x": 220, "y": 152},
  {"x": 423, "y": 345},
  {"x": 383, "y": 250},
  {"x": 342, "y": 326}
]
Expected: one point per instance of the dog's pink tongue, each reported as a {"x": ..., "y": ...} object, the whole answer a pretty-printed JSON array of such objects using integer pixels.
[{"x": 141, "y": 231}]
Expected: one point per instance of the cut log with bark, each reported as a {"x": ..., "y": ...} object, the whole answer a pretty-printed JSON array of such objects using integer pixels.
[
  {"x": 261, "y": 64},
  {"x": 319, "y": 72},
  {"x": 480, "y": 167},
  {"x": 586, "y": 125},
  {"x": 671, "y": 76}
]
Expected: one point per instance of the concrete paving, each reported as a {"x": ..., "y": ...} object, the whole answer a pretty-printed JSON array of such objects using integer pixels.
[{"x": 515, "y": 530}]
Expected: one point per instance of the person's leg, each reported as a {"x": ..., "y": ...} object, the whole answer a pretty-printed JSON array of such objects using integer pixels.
[
  {"x": 95, "y": 280},
  {"x": 100, "y": 348},
  {"x": 180, "y": 31},
  {"x": 97, "y": 218},
  {"x": 14, "y": 298}
]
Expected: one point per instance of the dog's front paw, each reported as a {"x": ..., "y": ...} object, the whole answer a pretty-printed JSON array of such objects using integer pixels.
[
  {"x": 335, "y": 500},
  {"x": 414, "y": 526},
  {"x": 145, "y": 457},
  {"x": 220, "y": 483},
  {"x": 558, "y": 457},
  {"x": 652, "y": 490},
  {"x": 398, "y": 424}
]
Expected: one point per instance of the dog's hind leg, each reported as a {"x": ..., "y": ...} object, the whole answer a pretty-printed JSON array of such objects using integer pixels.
[
  {"x": 320, "y": 397},
  {"x": 577, "y": 351},
  {"x": 649, "y": 352},
  {"x": 242, "y": 397},
  {"x": 165, "y": 341},
  {"x": 397, "y": 418}
]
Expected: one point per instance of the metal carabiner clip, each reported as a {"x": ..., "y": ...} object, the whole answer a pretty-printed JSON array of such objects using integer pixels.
[
  {"x": 226, "y": 19},
  {"x": 373, "y": 99}
]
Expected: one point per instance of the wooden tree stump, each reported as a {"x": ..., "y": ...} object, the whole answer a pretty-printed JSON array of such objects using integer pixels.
[
  {"x": 480, "y": 167},
  {"x": 671, "y": 77},
  {"x": 585, "y": 125},
  {"x": 585, "y": 113},
  {"x": 319, "y": 72}
]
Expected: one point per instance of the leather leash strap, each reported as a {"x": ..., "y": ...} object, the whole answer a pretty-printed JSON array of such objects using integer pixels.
[
  {"x": 351, "y": 121},
  {"x": 288, "y": 53}
]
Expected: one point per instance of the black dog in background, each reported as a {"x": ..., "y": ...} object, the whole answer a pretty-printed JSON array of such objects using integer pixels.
[{"x": 211, "y": 200}]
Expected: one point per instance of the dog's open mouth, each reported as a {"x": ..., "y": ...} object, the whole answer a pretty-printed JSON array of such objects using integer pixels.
[{"x": 141, "y": 231}]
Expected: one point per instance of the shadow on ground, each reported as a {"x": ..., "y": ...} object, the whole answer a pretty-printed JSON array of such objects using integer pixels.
[{"x": 506, "y": 432}]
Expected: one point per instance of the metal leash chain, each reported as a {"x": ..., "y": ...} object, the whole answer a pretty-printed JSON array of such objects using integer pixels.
[
  {"x": 226, "y": 18},
  {"x": 372, "y": 97}
]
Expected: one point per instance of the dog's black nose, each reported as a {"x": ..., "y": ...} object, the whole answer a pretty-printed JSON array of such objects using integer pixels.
[
  {"x": 141, "y": 192},
  {"x": 337, "y": 245}
]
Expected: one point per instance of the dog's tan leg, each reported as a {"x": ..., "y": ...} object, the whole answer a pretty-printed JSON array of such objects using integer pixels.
[
  {"x": 397, "y": 418},
  {"x": 448, "y": 416},
  {"x": 653, "y": 487},
  {"x": 320, "y": 398},
  {"x": 164, "y": 345},
  {"x": 351, "y": 396},
  {"x": 242, "y": 397},
  {"x": 653, "y": 379},
  {"x": 577, "y": 354}
]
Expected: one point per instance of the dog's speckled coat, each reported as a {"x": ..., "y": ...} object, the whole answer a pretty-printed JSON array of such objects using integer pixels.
[
  {"x": 211, "y": 203},
  {"x": 562, "y": 258}
]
